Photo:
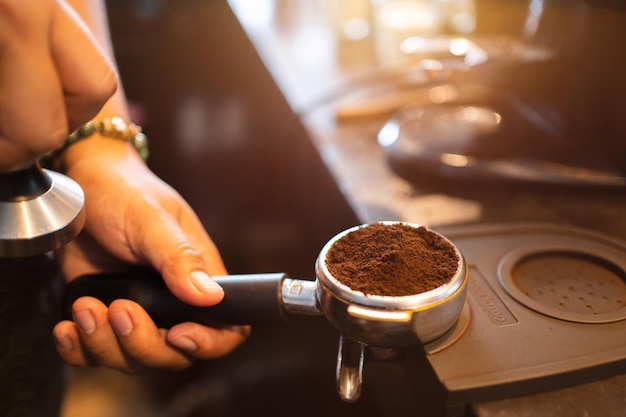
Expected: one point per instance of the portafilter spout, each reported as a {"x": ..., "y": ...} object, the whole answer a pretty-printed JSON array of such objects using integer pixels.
[
  {"x": 40, "y": 211},
  {"x": 364, "y": 320}
]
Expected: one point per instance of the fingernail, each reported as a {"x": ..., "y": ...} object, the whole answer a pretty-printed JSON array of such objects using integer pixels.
[
  {"x": 185, "y": 343},
  {"x": 121, "y": 322},
  {"x": 63, "y": 342},
  {"x": 244, "y": 331},
  {"x": 85, "y": 321},
  {"x": 204, "y": 283}
]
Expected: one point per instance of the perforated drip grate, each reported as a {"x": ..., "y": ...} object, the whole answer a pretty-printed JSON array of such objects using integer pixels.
[
  {"x": 571, "y": 285},
  {"x": 571, "y": 282}
]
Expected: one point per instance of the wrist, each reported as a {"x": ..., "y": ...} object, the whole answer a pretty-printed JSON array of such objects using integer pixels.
[{"x": 99, "y": 137}]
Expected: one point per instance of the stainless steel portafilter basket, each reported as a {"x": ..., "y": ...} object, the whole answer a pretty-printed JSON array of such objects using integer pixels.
[
  {"x": 362, "y": 319},
  {"x": 386, "y": 321}
]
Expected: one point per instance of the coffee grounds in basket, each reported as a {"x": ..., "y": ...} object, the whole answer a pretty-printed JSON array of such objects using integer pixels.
[{"x": 392, "y": 260}]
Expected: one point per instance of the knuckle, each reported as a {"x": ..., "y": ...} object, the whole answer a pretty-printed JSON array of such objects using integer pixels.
[
  {"x": 18, "y": 17},
  {"x": 102, "y": 354},
  {"x": 142, "y": 355},
  {"x": 222, "y": 343},
  {"x": 11, "y": 10},
  {"x": 182, "y": 256},
  {"x": 54, "y": 137},
  {"x": 87, "y": 100},
  {"x": 104, "y": 86},
  {"x": 28, "y": 143}
]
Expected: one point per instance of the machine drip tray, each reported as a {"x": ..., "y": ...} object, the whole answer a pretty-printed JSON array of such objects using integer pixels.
[{"x": 546, "y": 309}]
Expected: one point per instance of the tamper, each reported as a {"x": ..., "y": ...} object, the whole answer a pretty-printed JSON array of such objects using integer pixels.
[{"x": 40, "y": 211}]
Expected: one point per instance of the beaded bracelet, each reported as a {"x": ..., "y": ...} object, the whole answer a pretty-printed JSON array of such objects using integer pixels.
[{"x": 113, "y": 127}]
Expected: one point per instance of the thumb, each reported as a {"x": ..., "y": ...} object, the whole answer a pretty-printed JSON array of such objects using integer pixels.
[{"x": 181, "y": 263}]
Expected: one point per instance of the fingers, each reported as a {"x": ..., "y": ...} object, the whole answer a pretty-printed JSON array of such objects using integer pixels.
[
  {"x": 122, "y": 337},
  {"x": 206, "y": 342},
  {"x": 32, "y": 113},
  {"x": 46, "y": 91},
  {"x": 90, "y": 339},
  {"x": 125, "y": 338},
  {"x": 86, "y": 74},
  {"x": 143, "y": 221}
]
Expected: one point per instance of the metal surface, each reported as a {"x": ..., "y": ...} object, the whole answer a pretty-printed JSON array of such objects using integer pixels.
[
  {"x": 390, "y": 321},
  {"x": 43, "y": 222},
  {"x": 382, "y": 321},
  {"x": 350, "y": 360},
  {"x": 299, "y": 297},
  {"x": 474, "y": 142}
]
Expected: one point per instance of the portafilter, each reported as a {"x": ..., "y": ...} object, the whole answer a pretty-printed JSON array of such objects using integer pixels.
[{"x": 363, "y": 320}]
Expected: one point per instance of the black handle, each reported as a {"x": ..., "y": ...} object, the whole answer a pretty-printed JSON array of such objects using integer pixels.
[
  {"x": 24, "y": 184},
  {"x": 248, "y": 298}
]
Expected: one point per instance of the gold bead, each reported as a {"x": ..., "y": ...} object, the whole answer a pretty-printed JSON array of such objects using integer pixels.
[{"x": 113, "y": 127}]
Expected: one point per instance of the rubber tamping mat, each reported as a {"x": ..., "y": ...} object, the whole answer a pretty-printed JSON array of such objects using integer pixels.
[
  {"x": 574, "y": 284},
  {"x": 548, "y": 310},
  {"x": 571, "y": 282}
]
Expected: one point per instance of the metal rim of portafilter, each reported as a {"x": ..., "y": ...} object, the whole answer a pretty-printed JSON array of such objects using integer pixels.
[{"x": 384, "y": 321}]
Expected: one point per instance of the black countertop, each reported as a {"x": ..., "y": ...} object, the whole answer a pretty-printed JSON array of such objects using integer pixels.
[{"x": 341, "y": 94}]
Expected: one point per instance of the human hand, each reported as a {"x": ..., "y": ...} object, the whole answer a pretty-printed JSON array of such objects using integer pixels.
[
  {"x": 53, "y": 78},
  {"x": 135, "y": 218}
]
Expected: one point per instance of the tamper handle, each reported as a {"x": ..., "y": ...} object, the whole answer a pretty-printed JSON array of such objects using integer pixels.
[
  {"x": 24, "y": 184},
  {"x": 248, "y": 298}
]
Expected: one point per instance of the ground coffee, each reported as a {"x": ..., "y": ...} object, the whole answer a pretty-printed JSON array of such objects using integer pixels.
[{"x": 392, "y": 260}]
